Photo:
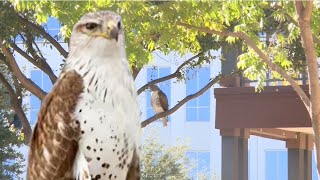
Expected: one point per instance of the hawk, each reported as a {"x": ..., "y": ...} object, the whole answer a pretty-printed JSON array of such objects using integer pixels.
[
  {"x": 89, "y": 124},
  {"x": 159, "y": 102}
]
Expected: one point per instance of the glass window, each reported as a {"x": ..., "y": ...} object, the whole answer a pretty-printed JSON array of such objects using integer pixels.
[
  {"x": 34, "y": 102},
  {"x": 192, "y": 156},
  {"x": 34, "y": 116},
  {"x": 47, "y": 85},
  {"x": 36, "y": 77},
  {"x": 52, "y": 27},
  {"x": 314, "y": 168},
  {"x": 198, "y": 109},
  {"x": 276, "y": 165},
  {"x": 191, "y": 114},
  {"x": 200, "y": 163},
  {"x": 155, "y": 73}
]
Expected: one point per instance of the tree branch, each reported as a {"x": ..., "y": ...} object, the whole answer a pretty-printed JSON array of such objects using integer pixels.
[
  {"x": 40, "y": 63},
  {"x": 293, "y": 21},
  {"x": 177, "y": 73},
  {"x": 16, "y": 105},
  {"x": 44, "y": 34},
  {"x": 186, "y": 99},
  {"x": 304, "y": 16},
  {"x": 299, "y": 7},
  {"x": 307, "y": 11},
  {"x": 264, "y": 57},
  {"x": 315, "y": 38},
  {"x": 135, "y": 71},
  {"x": 26, "y": 82}
]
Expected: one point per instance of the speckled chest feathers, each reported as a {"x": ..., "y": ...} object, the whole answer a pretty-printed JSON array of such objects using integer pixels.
[{"x": 108, "y": 114}]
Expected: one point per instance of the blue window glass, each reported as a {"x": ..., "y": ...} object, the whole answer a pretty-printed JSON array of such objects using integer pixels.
[
  {"x": 192, "y": 156},
  {"x": 47, "y": 85},
  {"x": 204, "y": 99},
  {"x": 203, "y": 114},
  {"x": 36, "y": 77},
  {"x": 200, "y": 164},
  {"x": 191, "y": 114},
  {"x": 34, "y": 116},
  {"x": 276, "y": 165},
  {"x": 34, "y": 102},
  {"x": 155, "y": 73},
  {"x": 192, "y": 103},
  {"x": 203, "y": 77},
  {"x": 314, "y": 168},
  {"x": 197, "y": 79},
  {"x": 52, "y": 27},
  {"x": 204, "y": 164}
]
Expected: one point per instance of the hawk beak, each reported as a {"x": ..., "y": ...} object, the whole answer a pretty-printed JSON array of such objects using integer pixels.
[{"x": 112, "y": 31}]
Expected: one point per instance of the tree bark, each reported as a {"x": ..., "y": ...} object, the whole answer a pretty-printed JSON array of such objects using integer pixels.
[
  {"x": 17, "y": 106},
  {"x": 304, "y": 17},
  {"x": 26, "y": 82},
  {"x": 40, "y": 63},
  {"x": 44, "y": 34}
]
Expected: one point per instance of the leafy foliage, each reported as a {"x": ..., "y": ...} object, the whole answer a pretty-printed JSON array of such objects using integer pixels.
[
  {"x": 160, "y": 162},
  {"x": 10, "y": 140},
  {"x": 155, "y": 26}
]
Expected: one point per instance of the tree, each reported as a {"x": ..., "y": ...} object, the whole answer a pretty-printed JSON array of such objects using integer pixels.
[
  {"x": 23, "y": 19},
  {"x": 291, "y": 42},
  {"x": 10, "y": 140},
  {"x": 255, "y": 60},
  {"x": 161, "y": 162}
]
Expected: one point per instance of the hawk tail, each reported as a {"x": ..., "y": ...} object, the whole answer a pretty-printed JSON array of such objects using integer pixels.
[{"x": 165, "y": 121}]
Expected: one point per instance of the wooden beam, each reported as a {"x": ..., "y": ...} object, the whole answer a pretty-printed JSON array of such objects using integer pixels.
[{"x": 274, "y": 133}]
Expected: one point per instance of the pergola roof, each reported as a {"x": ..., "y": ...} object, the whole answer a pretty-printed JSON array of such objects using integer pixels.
[{"x": 277, "y": 112}]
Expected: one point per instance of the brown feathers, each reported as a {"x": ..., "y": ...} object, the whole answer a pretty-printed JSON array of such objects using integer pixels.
[
  {"x": 134, "y": 168},
  {"x": 55, "y": 138}
]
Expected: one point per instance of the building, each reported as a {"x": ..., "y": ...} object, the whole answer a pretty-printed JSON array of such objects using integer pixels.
[{"x": 195, "y": 121}]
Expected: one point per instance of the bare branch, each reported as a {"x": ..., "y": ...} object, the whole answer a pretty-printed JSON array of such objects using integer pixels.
[
  {"x": 264, "y": 57},
  {"x": 40, "y": 30},
  {"x": 177, "y": 73},
  {"x": 16, "y": 105},
  {"x": 26, "y": 82},
  {"x": 186, "y": 99},
  {"x": 40, "y": 63}
]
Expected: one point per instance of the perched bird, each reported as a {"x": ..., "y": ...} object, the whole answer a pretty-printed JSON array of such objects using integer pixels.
[
  {"x": 89, "y": 124},
  {"x": 159, "y": 102}
]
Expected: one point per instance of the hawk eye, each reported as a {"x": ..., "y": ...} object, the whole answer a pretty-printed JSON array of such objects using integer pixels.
[
  {"x": 91, "y": 26},
  {"x": 119, "y": 25}
]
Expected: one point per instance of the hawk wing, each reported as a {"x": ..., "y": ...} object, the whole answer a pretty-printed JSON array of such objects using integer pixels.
[
  {"x": 134, "y": 168},
  {"x": 54, "y": 143},
  {"x": 163, "y": 101}
]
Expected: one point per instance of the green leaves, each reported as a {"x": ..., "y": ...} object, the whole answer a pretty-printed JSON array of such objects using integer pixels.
[
  {"x": 160, "y": 162},
  {"x": 154, "y": 26}
]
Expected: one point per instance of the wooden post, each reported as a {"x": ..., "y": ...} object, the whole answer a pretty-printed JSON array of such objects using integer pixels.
[
  {"x": 234, "y": 154},
  {"x": 299, "y": 157}
]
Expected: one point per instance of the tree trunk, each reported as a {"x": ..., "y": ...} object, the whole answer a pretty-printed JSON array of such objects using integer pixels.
[{"x": 304, "y": 18}]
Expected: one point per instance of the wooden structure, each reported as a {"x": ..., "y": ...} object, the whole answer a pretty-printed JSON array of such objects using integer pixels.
[{"x": 277, "y": 113}]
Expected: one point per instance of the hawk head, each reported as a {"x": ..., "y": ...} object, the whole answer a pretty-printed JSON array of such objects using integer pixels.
[
  {"x": 154, "y": 88},
  {"x": 100, "y": 33}
]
